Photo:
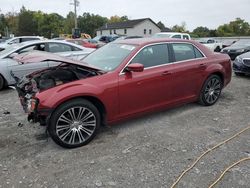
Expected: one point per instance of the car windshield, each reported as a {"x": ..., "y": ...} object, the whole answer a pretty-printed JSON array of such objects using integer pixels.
[
  {"x": 243, "y": 43},
  {"x": 110, "y": 56}
]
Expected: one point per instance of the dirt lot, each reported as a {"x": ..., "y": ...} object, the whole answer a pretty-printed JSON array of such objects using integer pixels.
[{"x": 146, "y": 152}]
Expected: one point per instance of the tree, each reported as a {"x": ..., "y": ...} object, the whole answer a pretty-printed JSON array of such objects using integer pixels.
[
  {"x": 88, "y": 23},
  {"x": 201, "y": 32},
  {"x": 161, "y": 25},
  {"x": 179, "y": 28},
  {"x": 116, "y": 18},
  {"x": 69, "y": 22},
  {"x": 238, "y": 27},
  {"x": 27, "y": 25},
  {"x": 52, "y": 25}
]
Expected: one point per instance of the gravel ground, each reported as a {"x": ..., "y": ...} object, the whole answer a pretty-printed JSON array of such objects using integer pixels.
[{"x": 146, "y": 152}]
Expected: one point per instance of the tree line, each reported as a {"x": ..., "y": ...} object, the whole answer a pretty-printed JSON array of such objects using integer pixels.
[{"x": 27, "y": 22}]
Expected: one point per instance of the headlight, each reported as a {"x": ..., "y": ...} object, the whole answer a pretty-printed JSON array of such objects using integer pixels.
[
  {"x": 32, "y": 104},
  {"x": 238, "y": 59}
]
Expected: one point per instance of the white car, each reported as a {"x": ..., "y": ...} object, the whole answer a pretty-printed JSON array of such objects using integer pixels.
[
  {"x": 211, "y": 43},
  {"x": 8, "y": 64},
  {"x": 17, "y": 40},
  {"x": 172, "y": 35}
]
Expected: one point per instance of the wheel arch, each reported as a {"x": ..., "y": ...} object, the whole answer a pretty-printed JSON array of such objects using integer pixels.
[
  {"x": 95, "y": 101},
  {"x": 5, "y": 83}
]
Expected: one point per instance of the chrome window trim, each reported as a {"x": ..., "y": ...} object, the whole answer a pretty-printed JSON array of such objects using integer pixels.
[{"x": 176, "y": 62}]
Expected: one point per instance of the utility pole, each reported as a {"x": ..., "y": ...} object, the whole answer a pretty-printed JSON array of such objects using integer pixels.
[{"x": 75, "y": 4}]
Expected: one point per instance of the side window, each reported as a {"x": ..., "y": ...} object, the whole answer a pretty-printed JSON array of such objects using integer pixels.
[
  {"x": 57, "y": 47},
  {"x": 186, "y": 37},
  {"x": 177, "y": 36},
  {"x": 152, "y": 55},
  {"x": 198, "y": 54},
  {"x": 76, "y": 49},
  {"x": 184, "y": 51},
  {"x": 39, "y": 47},
  {"x": 28, "y": 39},
  {"x": 15, "y": 41},
  {"x": 210, "y": 41}
]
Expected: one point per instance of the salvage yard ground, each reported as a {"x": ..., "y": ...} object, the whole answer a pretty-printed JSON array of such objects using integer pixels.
[{"x": 150, "y": 151}]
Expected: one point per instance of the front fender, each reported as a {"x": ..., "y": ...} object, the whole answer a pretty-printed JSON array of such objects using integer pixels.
[{"x": 53, "y": 97}]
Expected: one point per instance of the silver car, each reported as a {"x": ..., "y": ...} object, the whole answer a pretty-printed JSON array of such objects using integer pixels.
[{"x": 8, "y": 64}]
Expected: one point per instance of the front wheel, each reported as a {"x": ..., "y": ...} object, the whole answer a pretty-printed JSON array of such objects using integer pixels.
[
  {"x": 74, "y": 123},
  {"x": 211, "y": 90}
]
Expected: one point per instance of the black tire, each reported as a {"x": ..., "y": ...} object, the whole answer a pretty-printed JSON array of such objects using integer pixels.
[
  {"x": 239, "y": 74},
  {"x": 211, "y": 90},
  {"x": 217, "y": 49},
  {"x": 74, "y": 123},
  {"x": 2, "y": 82}
]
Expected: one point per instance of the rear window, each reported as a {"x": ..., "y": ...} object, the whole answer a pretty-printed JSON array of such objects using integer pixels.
[{"x": 184, "y": 51}]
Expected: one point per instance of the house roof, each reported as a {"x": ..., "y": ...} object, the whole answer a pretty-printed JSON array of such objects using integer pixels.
[{"x": 124, "y": 24}]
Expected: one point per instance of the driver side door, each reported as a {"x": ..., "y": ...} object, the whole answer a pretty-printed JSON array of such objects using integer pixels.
[{"x": 141, "y": 91}]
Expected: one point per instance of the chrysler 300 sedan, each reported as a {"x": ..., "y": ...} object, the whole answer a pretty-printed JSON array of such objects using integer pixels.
[{"x": 121, "y": 80}]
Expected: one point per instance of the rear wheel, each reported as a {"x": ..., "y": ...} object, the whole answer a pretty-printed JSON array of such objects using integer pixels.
[
  {"x": 2, "y": 82},
  {"x": 74, "y": 123},
  {"x": 211, "y": 90}
]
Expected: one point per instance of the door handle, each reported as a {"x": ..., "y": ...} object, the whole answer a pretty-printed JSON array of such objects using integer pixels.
[
  {"x": 202, "y": 65},
  {"x": 165, "y": 73}
]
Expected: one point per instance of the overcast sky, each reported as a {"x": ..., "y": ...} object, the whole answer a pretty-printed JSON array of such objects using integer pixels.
[{"x": 209, "y": 13}]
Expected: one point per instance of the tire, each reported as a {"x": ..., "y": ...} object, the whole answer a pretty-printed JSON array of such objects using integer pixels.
[
  {"x": 239, "y": 74},
  {"x": 74, "y": 123},
  {"x": 211, "y": 90},
  {"x": 2, "y": 82}
]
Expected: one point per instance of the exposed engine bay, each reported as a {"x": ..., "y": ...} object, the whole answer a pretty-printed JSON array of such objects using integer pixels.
[{"x": 39, "y": 81}]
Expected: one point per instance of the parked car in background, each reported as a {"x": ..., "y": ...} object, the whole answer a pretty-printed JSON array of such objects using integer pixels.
[
  {"x": 228, "y": 42},
  {"x": 16, "y": 40},
  {"x": 83, "y": 42},
  {"x": 123, "y": 79},
  {"x": 238, "y": 48},
  {"x": 211, "y": 43},
  {"x": 8, "y": 64},
  {"x": 3, "y": 39},
  {"x": 172, "y": 35},
  {"x": 106, "y": 38},
  {"x": 128, "y": 37},
  {"x": 241, "y": 65}
]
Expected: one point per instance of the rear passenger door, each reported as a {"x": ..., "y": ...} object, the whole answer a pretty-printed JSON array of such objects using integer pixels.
[{"x": 188, "y": 71}]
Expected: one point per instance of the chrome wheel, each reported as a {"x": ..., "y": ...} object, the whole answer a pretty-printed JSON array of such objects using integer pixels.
[
  {"x": 76, "y": 125},
  {"x": 212, "y": 90}
]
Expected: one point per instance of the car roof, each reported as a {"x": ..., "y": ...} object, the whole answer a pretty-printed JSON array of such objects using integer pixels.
[
  {"x": 49, "y": 41},
  {"x": 173, "y": 33},
  {"x": 146, "y": 41}
]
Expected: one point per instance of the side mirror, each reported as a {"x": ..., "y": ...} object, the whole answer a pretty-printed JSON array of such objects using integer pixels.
[{"x": 135, "y": 67}]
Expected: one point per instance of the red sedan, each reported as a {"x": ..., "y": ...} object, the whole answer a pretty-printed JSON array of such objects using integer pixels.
[
  {"x": 121, "y": 80},
  {"x": 82, "y": 42}
]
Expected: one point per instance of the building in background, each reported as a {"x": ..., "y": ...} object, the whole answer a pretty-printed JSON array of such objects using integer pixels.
[{"x": 141, "y": 27}]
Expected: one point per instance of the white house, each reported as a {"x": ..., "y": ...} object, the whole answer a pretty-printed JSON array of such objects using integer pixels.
[{"x": 141, "y": 27}]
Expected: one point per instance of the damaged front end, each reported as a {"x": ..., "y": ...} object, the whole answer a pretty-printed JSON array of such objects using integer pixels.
[{"x": 29, "y": 86}]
